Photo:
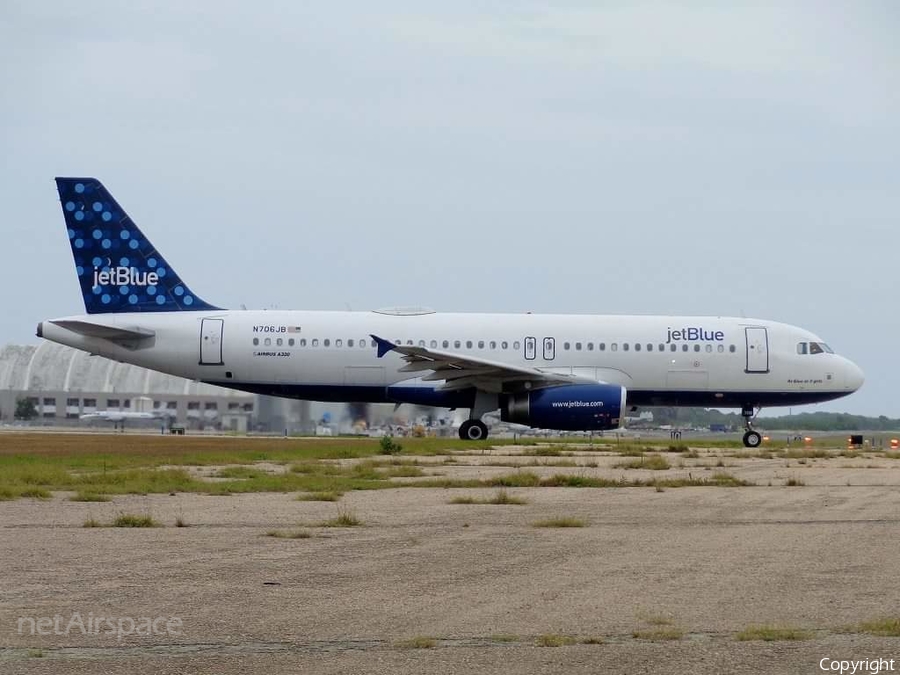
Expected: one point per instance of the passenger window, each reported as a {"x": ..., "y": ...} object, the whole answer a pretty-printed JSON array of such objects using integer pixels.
[
  {"x": 457, "y": 344},
  {"x": 662, "y": 347},
  {"x": 637, "y": 346},
  {"x": 684, "y": 348},
  {"x": 421, "y": 343},
  {"x": 445, "y": 344},
  {"x": 279, "y": 342},
  {"x": 362, "y": 343},
  {"x": 409, "y": 343},
  {"x": 349, "y": 343},
  {"x": 614, "y": 347},
  {"x": 481, "y": 344},
  {"x": 709, "y": 349},
  {"x": 255, "y": 341},
  {"x": 577, "y": 346},
  {"x": 590, "y": 346},
  {"x": 302, "y": 342},
  {"x": 268, "y": 341},
  {"x": 291, "y": 342},
  {"x": 625, "y": 347},
  {"x": 504, "y": 345},
  {"x": 338, "y": 343},
  {"x": 326, "y": 342},
  {"x": 566, "y": 346},
  {"x": 721, "y": 349},
  {"x": 434, "y": 344},
  {"x": 468, "y": 344},
  {"x": 696, "y": 348},
  {"x": 673, "y": 348},
  {"x": 516, "y": 345},
  {"x": 493, "y": 345},
  {"x": 602, "y": 346},
  {"x": 649, "y": 347},
  {"x": 315, "y": 342},
  {"x": 732, "y": 349}
]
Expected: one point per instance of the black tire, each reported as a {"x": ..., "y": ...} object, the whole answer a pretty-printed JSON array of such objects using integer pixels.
[
  {"x": 473, "y": 430},
  {"x": 752, "y": 439}
]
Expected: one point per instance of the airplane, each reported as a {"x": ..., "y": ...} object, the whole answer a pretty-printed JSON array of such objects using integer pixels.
[
  {"x": 559, "y": 372},
  {"x": 118, "y": 417}
]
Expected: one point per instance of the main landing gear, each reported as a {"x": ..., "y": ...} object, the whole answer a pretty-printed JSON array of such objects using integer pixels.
[
  {"x": 473, "y": 430},
  {"x": 752, "y": 438}
]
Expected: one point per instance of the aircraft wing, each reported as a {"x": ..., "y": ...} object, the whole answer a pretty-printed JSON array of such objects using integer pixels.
[{"x": 460, "y": 371}]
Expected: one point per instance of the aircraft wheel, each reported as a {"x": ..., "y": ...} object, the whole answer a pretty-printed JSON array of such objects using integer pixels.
[
  {"x": 752, "y": 439},
  {"x": 473, "y": 430}
]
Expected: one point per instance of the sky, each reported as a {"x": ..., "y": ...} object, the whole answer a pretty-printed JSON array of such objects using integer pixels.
[{"x": 587, "y": 157}]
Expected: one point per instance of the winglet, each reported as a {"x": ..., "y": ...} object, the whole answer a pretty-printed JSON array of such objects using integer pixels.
[{"x": 384, "y": 346}]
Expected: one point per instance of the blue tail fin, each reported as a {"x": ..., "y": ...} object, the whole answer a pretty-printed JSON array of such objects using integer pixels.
[{"x": 118, "y": 268}]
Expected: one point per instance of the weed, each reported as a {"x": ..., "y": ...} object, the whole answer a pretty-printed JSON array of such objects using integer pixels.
[
  {"x": 89, "y": 497},
  {"x": 180, "y": 522},
  {"x": 92, "y": 522},
  {"x": 793, "y": 481},
  {"x": 543, "y": 452},
  {"x": 659, "y": 634},
  {"x": 283, "y": 534},
  {"x": 554, "y": 640},
  {"x": 503, "y": 637},
  {"x": 503, "y": 497},
  {"x": 35, "y": 493},
  {"x": 886, "y": 627},
  {"x": 652, "y": 462},
  {"x": 500, "y": 497},
  {"x": 131, "y": 520},
  {"x": 320, "y": 496},
  {"x": 387, "y": 446},
  {"x": 770, "y": 633},
  {"x": 344, "y": 518}
]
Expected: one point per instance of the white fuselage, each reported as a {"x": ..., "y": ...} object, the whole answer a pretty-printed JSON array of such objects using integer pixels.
[{"x": 331, "y": 356}]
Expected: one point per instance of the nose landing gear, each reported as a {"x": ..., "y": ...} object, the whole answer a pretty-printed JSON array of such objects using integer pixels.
[{"x": 752, "y": 438}]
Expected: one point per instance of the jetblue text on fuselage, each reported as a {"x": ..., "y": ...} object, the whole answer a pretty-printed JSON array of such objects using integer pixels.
[
  {"x": 124, "y": 276},
  {"x": 695, "y": 334}
]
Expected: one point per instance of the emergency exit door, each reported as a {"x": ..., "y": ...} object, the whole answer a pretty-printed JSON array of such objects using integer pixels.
[
  {"x": 757, "y": 350},
  {"x": 211, "y": 342}
]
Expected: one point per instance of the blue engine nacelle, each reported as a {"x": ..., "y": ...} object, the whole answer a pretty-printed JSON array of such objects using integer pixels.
[{"x": 571, "y": 407}]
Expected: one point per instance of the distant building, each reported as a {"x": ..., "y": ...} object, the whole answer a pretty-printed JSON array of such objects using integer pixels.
[{"x": 64, "y": 383}]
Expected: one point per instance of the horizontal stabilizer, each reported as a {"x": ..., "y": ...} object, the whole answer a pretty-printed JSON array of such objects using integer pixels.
[{"x": 98, "y": 330}]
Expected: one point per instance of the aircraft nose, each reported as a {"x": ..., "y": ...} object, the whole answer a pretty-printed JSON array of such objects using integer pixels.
[{"x": 853, "y": 376}]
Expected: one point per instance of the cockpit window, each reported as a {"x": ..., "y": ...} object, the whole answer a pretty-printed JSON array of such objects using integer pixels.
[{"x": 813, "y": 348}]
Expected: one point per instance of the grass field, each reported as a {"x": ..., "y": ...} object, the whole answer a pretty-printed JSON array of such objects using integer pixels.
[{"x": 94, "y": 466}]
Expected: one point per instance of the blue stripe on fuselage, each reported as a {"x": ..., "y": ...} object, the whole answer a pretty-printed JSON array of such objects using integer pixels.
[{"x": 430, "y": 396}]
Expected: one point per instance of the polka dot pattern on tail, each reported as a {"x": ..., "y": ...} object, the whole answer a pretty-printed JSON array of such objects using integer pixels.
[{"x": 118, "y": 269}]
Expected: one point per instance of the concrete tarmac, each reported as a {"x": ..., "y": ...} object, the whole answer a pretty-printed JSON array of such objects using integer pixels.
[{"x": 426, "y": 586}]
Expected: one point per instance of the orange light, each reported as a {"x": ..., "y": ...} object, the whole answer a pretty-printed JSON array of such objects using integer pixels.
[
  {"x": 765, "y": 439},
  {"x": 808, "y": 439}
]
